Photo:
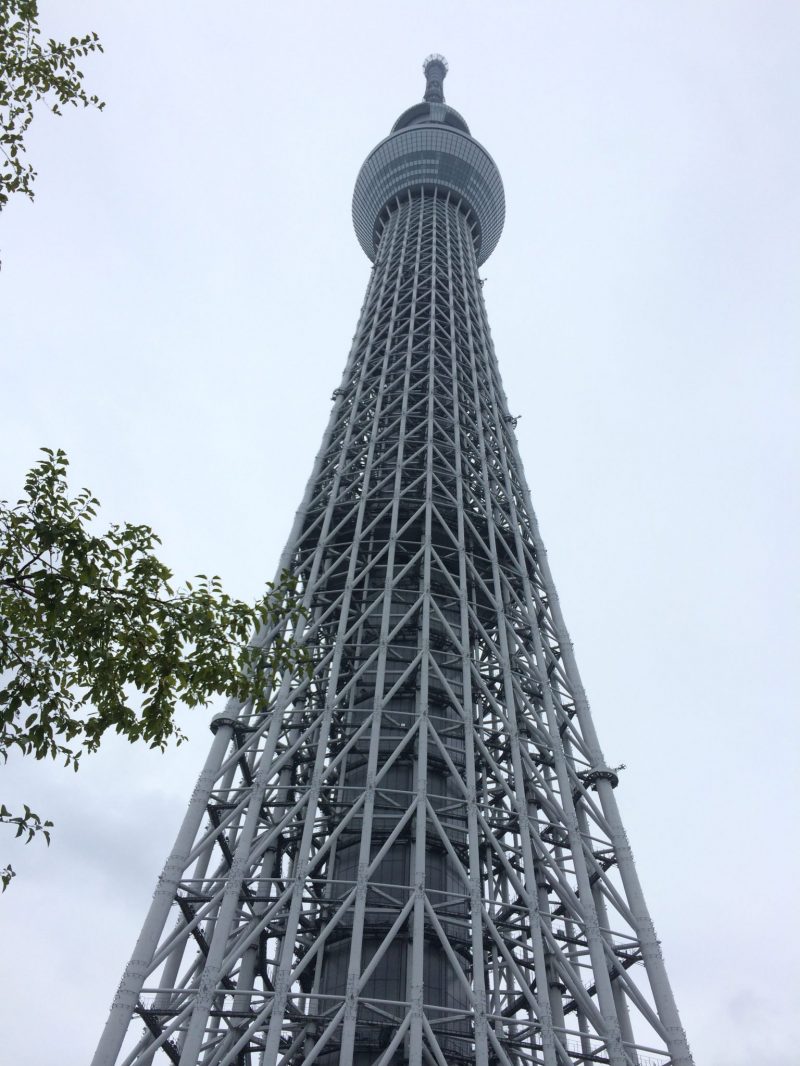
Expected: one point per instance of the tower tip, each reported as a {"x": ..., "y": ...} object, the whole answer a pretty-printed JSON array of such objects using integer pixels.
[{"x": 435, "y": 70}]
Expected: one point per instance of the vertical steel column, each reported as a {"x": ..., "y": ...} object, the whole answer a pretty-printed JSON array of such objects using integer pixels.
[
  {"x": 354, "y": 965},
  {"x": 653, "y": 959},
  {"x": 467, "y": 711}
]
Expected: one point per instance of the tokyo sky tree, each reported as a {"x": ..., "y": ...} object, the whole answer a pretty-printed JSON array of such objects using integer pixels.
[{"x": 411, "y": 854}]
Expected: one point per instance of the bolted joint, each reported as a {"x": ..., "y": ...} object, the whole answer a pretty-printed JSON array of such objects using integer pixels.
[
  {"x": 220, "y": 720},
  {"x": 591, "y": 778}
]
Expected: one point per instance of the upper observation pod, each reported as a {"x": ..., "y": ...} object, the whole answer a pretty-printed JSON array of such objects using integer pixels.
[{"x": 430, "y": 148}]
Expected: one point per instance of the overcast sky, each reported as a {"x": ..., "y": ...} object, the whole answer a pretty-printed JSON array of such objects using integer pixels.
[{"x": 176, "y": 308}]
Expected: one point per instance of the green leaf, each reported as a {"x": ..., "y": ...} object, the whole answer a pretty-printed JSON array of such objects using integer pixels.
[
  {"x": 95, "y": 639},
  {"x": 33, "y": 74}
]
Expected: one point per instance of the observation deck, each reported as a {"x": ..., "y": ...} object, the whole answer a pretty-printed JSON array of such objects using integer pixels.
[{"x": 430, "y": 147}]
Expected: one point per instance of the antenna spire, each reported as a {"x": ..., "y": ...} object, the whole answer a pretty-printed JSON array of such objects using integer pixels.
[{"x": 435, "y": 69}]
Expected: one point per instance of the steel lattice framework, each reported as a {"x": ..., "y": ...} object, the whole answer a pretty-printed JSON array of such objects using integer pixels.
[{"x": 415, "y": 854}]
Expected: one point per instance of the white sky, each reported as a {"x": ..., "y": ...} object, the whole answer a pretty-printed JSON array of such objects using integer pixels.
[{"x": 175, "y": 311}]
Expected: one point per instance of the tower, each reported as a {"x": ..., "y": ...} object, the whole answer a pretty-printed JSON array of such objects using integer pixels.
[{"x": 414, "y": 854}]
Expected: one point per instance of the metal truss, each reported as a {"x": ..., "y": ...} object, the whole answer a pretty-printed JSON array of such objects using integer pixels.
[{"x": 414, "y": 855}]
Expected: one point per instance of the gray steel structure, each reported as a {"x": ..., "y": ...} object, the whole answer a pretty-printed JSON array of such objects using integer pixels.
[{"x": 413, "y": 856}]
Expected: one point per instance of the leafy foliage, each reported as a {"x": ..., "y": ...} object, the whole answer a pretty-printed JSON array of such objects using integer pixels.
[
  {"x": 32, "y": 72},
  {"x": 28, "y": 825},
  {"x": 94, "y": 637}
]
